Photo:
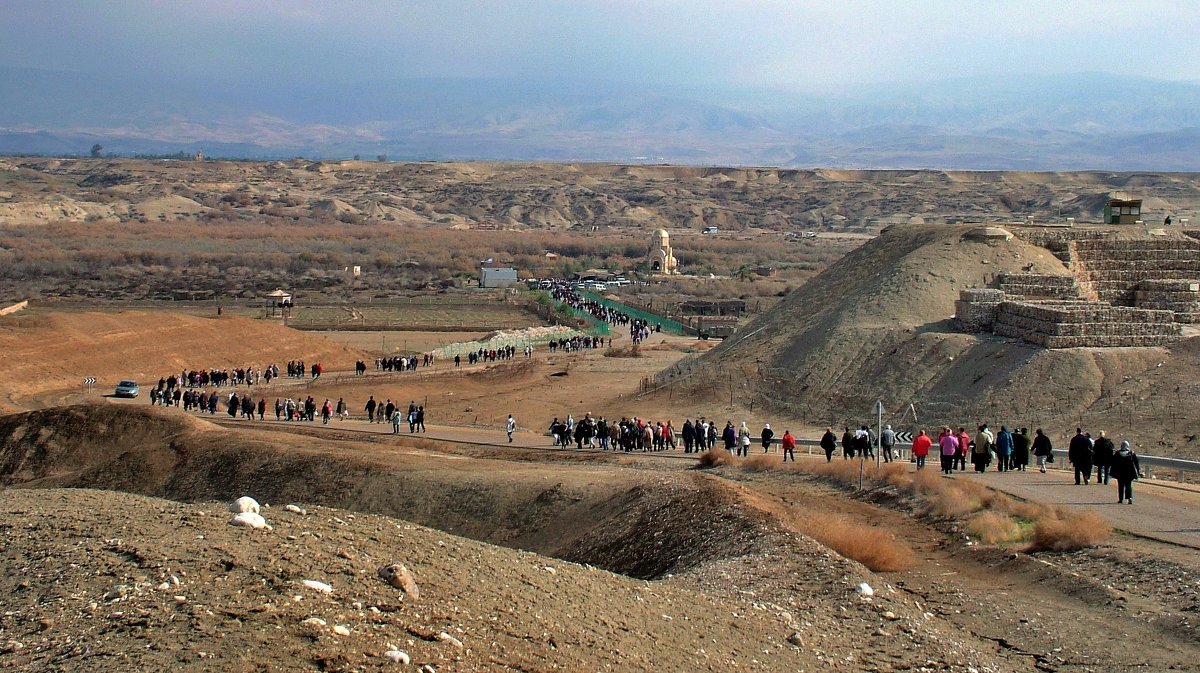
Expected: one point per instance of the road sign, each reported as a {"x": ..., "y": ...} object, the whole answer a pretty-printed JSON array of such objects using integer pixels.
[
  {"x": 904, "y": 437},
  {"x": 89, "y": 381}
]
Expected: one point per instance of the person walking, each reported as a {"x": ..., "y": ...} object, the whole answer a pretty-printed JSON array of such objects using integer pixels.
[
  {"x": 767, "y": 435},
  {"x": 743, "y": 439},
  {"x": 949, "y": 446},
  {"x": 981, "y": 455},
  {"x": 847, "y": 444},
  {"x": 887, "y": 439},
  {"x": 1042, "y": 449},
  {"x": 1102, "y": 455},
  {"x": 1125, "y": 469},
  {"x": 395, "y": 419},
  {"x": 964, "y": 447},
  {"x": 370, "y": 409},
  {"x": 828, "y": 444},
  {"x": 342, "y": 412},
  {"x": 1079, "y": 452},
  {"x": 920, "y": 448},
  {"x": 509, "y": 427},
  {"x": 1004, "y": 448},
  {"x": 729, "y": 436},
  {"x": 787, "y": 445},
  {"x": 1020, "y": 451}
]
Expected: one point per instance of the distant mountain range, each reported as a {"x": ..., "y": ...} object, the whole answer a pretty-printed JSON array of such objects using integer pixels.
[{"x": 1076, "y": 122}]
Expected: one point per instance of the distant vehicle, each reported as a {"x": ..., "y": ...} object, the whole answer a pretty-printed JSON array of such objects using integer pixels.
[
  {"x": 710, "y": 230},
  {"x": 127, "y": 389},
  {"x": 618, "y": 282},
  {"x": 599, "y": 287},
  {"x": 810, "y": 234}
]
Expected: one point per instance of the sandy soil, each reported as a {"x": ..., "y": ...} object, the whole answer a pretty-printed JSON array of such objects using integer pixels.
[{"x": 394, "y": 341}]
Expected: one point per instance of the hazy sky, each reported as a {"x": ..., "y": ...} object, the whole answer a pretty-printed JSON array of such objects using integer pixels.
[{"x": 794, "y": 44}]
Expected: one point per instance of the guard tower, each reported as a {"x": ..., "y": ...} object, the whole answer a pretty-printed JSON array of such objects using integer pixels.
[
  {"x": 662, "y": 261},
  {"x": 1122, "y": 211}
]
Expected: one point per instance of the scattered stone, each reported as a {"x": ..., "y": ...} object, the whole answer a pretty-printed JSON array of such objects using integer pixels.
[
  {"x": 865, "y": 589},
  {"x": 398, "y": 657},
  {"x": 890, "y": 615},
  {"x": 341, "y": 630},
  {"x": 398, "y": 576},
  {"x": 249, "y": 520},
  {"x": 449, "y": 639},
  {"x": 117, "y": 592},
  {"x": 795, "y": 639},
  {"x": 243, "y": 505},
  {"x": 180, "y": 599},
  {"x": 313, "y": 621},
  {"x": 295, "y": 509},
  {"x": 318, "y": 586},
  {"x": 427, "y": 668}
]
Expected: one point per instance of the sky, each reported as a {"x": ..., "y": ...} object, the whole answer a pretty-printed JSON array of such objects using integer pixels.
[{"x": 796, "y": 45}]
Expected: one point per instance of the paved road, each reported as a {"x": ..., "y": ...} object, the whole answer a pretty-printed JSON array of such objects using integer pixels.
[{"x": 1166, "y": 511}]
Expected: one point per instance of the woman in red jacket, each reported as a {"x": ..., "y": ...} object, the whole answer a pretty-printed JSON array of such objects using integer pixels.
[{"x": 920, "y": 448}]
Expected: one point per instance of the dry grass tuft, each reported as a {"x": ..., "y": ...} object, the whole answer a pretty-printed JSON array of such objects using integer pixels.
[
  {"x": 992, "y": 527},
  {"x": 1058, "y": 529},
  {"x": 634, "y": 351},
  {"x": 872, "y": 547},
  {"x": 760, "y": 462},
  {"x": 952, "y": 503},
  {"x": 715, "y": 458}
]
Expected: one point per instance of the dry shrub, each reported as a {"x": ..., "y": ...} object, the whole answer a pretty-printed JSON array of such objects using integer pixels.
[
  {"x": 844, "y": 471},
  {"x": 715, "y": 458},
  {"x": 1028, "y": 511},
  {"x": 1059, "y": 529},
  {"x": 924, "y": 482},
  {"x": 994, "y": 528},
  {"x": 952, "y": 503},
  {"x": 634, "y": 351},
  {"x": 872, "y": 547},
  {"x": 761, "y": 461}
]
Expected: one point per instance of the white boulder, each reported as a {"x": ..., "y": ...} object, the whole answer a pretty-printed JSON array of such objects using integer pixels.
[
  {"x": 249, "y": 520},
  {"x": 244, "y": 504}
]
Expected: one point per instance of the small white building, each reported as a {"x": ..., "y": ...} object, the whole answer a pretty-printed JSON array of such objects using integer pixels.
[{"x": 497, "y": 276}]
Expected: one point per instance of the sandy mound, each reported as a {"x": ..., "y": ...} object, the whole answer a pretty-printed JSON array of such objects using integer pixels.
[
  {"x": 876, "y": 325},
  {"x": 55, "y": 352},
  {"x": 171, "y": 207}
]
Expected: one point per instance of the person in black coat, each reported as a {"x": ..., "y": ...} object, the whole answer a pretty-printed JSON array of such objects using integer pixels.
[
  {"x": 767, "y": 435},
  {"x": 689, "y": 435},
  {"x": 1042, "y": 449},
  {"x": 1125, "y": 469},
  {"x": 1079, "y": 452},
  {"x": 1102, "y": 455},
  {"x": 847, "y": 443},
  {"x": 828, "y": 444},
  {"x": 1020, "y": 450}
]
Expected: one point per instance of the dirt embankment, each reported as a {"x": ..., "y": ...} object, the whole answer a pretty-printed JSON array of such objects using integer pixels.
[{"x": 595, "y": 515}]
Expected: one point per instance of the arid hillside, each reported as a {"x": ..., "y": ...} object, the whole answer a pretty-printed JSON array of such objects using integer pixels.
[
  {"x": 562, "y": 196},
  {"x": 877, "y": 326}
]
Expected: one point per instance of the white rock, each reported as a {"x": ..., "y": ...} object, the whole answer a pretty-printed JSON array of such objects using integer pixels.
[
  {"x": 294, "y": 509},
  {"x": 889, "y": 615},
  {"x": 427, "y": 668},
  {"x": 248, "y": 520},
  {"x": 318, "y": 586},
  {"x": 865, "y": 589},
  {"x": 244, "y": 504},
  {"x": 313, "y": 621},
  {"x": 180, "y": 599},
  {"x": 398, "y": 657},
  {"x": 165, "y": 586},
  {"x": 449, "y": 640},
  {"x": 341, "y": 630}
]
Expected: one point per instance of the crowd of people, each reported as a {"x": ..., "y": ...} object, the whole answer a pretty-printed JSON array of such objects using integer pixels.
[{"x": 639, "y": 329}]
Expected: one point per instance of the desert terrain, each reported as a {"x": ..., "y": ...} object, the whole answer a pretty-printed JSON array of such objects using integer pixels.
[{"x": 116, "y": 536}]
